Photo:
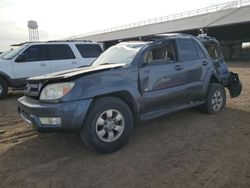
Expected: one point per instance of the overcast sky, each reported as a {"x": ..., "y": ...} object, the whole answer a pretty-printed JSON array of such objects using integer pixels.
[{"x": 63, "y": 18}]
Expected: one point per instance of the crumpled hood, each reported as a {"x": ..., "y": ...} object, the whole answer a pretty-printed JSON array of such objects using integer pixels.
[{"x": 75, "y": 72}]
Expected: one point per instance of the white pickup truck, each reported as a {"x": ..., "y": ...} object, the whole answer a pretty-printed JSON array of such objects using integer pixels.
[{"x": 39, "y": 58}]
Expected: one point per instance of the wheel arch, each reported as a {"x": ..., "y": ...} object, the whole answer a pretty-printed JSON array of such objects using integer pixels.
[
  {"x": 214, "y": 79},
  {"x": 125, "y": 96},
  {"x": 211, "y": 77},
  {"x": 5, "y": 78}
]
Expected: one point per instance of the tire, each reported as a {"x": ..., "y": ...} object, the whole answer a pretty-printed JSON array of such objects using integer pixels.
[
  {"x": 215, "y": 99},
  {"x": 108, "y": 126},
  {"x": 3, "y": 88}
]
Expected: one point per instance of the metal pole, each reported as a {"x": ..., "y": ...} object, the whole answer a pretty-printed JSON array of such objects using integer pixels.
[
  {"x": 33, "y": 33},
  {"x": 29, "y": 34}
]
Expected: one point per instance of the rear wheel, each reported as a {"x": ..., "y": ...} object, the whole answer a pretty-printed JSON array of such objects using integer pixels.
[
  {"x": 3, "y": 88},
  {"x": 216, "y": 99},
  {"x": 108, "y": 126}
]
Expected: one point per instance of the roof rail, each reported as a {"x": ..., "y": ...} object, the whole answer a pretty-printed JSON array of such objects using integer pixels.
[
  {"x": 20, "y": 44},
  {"x": 207, "y": 38},
  {"x": 161, "y": 36},
  {"x": 71, "y": 40},
  {"x": 30, "y": 42}
]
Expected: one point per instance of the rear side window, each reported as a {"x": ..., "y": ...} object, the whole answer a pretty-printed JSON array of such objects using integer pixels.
[
  {"x": 187, "y": 50},
  {"x": 36, "y": 53},
  {"x": 89, "y": 50},
  {"x": 60, "y": 52},
  {"x": 199, "y": 51}
]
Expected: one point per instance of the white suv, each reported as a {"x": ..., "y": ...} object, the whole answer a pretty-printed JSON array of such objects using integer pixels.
[{"x": 35, "y": 59}]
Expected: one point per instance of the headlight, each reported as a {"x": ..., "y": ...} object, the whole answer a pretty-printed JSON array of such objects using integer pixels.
[{"x": 56, "y": 91}]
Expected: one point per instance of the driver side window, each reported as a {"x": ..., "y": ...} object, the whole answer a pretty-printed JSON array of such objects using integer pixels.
[
  {"x": 36, "y": 53},
  {"x": 161, "y": 54}
]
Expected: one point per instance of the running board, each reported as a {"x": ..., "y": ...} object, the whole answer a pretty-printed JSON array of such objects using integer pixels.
[{"x": 164, "y": 111}]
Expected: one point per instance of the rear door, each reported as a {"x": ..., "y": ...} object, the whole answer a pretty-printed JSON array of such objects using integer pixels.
[
  {"x": 88, "y": 53},
  {"x": 162, "y": 77},
  {"x": 195, "y": 64},
  {"x": 62, "y": 57},
  {"x": 35, "y": 62}
]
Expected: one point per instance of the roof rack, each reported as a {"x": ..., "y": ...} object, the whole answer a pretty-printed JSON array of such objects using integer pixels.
[
  {"x": 20, "y": 44},
  {"x": 161, "y": 36},
  {"x": 206, "y": 38},
  {"x": 30, "y": 42},
  {"x": 70, "y": 40}
]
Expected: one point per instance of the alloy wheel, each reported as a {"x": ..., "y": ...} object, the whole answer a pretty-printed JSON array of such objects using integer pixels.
[
  {"x": 110, "y": 125},
  {"x": 217, "y": 100}
]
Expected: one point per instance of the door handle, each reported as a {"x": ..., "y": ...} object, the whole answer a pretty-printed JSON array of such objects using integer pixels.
[
  {"x": 204, "y": 62},
  {"x": 42, "y": 64},
  {"x": 74, "y": 62},
  {"x": 178, "y": 67}
]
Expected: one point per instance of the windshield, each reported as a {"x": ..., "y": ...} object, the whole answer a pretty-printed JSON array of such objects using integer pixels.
[
  {"x": 123, "y": 53},
  {"x": 12, "y": 53},
  {"x": 5, "y": 53}
]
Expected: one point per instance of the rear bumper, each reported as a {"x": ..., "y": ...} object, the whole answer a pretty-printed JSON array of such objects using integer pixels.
[
  {"x": 72, "y": 114},
  {"x": 234, "y": 85}
]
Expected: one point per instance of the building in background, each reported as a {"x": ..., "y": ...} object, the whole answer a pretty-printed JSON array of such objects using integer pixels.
[{"x": 228, "y": 22}]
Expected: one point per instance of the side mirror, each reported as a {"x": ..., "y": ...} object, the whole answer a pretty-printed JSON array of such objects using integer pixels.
[{"x": 21, "y": 58}]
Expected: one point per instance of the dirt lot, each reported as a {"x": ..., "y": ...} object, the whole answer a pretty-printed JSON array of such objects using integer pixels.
[{"x": 186, "y": 149}]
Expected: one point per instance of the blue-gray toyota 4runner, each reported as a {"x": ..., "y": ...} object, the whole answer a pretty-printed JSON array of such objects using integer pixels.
[{"x": 130, "y": 82}]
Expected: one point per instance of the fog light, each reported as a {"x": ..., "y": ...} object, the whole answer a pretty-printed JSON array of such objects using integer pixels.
[{"x": 50, "y": 120}]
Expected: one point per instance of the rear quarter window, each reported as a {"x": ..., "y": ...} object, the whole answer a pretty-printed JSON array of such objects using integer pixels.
[
  {"x": 213, "y": 51},
  {"x": 89, "y": 50}
]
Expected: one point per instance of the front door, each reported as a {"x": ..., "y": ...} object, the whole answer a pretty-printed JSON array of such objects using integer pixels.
[
  {"x": 34, "y": 62},
  {"x": 162, "y": 77}
]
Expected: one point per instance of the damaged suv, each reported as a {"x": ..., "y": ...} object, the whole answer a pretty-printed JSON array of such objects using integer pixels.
[{"x": 130, "y": 81}]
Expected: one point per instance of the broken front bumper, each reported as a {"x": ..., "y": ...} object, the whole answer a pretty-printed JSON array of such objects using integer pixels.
[{"x": 234, "y": 85}]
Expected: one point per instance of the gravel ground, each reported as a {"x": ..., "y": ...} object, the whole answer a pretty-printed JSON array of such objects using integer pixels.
[{"x": 185, "y": 149}]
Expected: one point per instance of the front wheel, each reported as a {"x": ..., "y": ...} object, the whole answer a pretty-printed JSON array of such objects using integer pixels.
[
  {"x": 108, "y": 126},
  {"x": 216, "y": 99}
]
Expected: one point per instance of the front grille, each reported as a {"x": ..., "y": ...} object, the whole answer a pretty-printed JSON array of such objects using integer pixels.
[{"x": 33, "y": 89}]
